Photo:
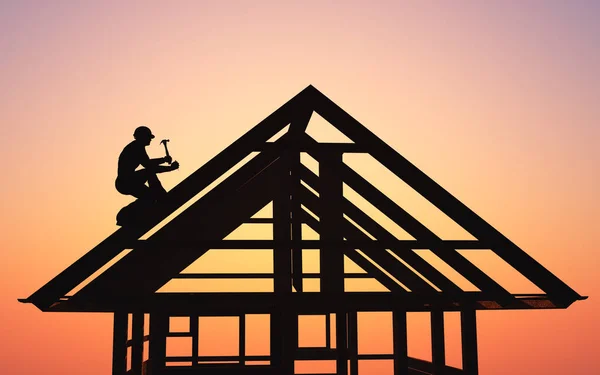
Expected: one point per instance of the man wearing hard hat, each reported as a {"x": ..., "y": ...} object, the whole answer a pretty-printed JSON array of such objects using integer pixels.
[{"x": 133, "y": 182}]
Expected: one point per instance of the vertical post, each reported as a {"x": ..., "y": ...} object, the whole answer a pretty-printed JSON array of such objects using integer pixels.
[
  {"x": 281, "y": 322},
  {"x": 275, "y": 341},
  {"x": 159, "y": 326},
  {"x": 242, "y": 338},
  {"x": 137, "y": 339},
  {"x": 195, "y": 332},
  {"x": 331, "y": 198},
  {"x": 400, "y": 342},
  {"x": 468, "y": 327},
  {"x": 119, "y": 360},
  {"x": 296, "y": 220},
  {"x": 438, "y": 347},
  {"x": 328, "y": 331},
  {"x": 332, "y": 257},
  {"x": 353, "y": 341}
]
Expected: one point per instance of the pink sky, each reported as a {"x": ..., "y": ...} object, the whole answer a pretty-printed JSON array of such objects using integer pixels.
[{"x": 496, "y": 101}]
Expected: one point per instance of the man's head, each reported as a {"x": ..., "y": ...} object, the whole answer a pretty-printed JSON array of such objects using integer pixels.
[{"x": 143, "y": 134}]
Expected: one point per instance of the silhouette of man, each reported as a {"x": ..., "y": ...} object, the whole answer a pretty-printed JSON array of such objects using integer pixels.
[{"x": 133, "y": 182}]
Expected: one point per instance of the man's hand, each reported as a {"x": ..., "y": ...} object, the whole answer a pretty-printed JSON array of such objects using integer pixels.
[
  {"x": 175, "y": 165},
  {"x": 167, "y": 159}
]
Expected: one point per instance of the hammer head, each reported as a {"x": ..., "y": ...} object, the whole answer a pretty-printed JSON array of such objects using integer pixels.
[{"x": 164, "y": 141}]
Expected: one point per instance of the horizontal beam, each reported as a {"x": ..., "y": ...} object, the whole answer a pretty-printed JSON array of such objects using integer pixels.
[
  {"x": 207, "y": 304},
  {"x": 218, "y": 358},
  {"x": 404, "y": 245},
  {"x": 321, "y": 147},
  {"x": 304, "y": 354},
  {"x": 259, "y": 220},
  {"x": 350, "y": 275}
]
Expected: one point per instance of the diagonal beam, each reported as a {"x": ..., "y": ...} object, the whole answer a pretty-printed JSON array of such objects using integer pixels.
[
  {"x": 143, "y": 271},
  {"x": 377, "y": 231},
  {"x": 380, "y": 255},
  {"x": 407, "y": 254},
  {"x": 441, "y": 198},
  {"x": 184, "y": 191},
  {"x": 188, "y": 221},
  {"x": 420, "y": 231},
  {"x": 357, "y": 258}
]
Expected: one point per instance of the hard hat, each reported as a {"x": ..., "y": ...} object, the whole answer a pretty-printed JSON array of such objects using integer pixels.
[{"x": 142, "y": 131}]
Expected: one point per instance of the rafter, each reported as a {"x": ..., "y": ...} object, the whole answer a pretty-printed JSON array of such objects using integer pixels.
[
  {"x": 360, "y": 260},
  {"x": 378, "y": 255},
  {"x": 157, "y": 266},
  {"x": 94, "y": 259},
  {"x": 406, "y": 253},
  {"x": 441, "y": 198}
]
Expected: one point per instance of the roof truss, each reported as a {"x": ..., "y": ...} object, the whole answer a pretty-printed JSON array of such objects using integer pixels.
[{"x": 275, "y": 175}]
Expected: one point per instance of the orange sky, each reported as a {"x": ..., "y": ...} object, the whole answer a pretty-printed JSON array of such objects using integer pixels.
[{"x": 496, "y": 102}]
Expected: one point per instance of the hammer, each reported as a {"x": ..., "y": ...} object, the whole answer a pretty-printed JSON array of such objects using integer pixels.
[{"x": 164, "y": 143}]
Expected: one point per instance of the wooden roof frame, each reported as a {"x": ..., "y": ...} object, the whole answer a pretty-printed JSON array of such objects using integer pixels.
[{"x": 254, "y": 184}]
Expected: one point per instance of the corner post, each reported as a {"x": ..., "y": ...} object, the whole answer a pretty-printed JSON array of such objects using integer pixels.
[
  {"x": 282, "y": 318},
  {"x": 331, "y": 258},
  {"x": 400, "y": 341},
  {"x": 438, "y": 349},
  {"x": 159, "y": 327},
  {"x": 468, "y": 323},
  {"x": 137, "y": 339},
  {"x": 119, "y": 359}
]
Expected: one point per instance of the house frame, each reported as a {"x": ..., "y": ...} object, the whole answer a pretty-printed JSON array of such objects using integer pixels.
[{"x": 128, "y": 288}]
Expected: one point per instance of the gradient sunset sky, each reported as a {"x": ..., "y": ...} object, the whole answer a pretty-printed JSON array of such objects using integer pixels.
[{"x": 497, "y": 101}]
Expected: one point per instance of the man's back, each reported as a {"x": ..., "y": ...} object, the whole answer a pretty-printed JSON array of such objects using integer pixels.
[{"x": 131, "y": 157}]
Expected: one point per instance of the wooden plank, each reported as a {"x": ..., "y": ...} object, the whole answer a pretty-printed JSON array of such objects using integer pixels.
[
  {"x": 468, "y": 329},
  {"x": 159, "y": 327},
  {"x": 325, "y": 147},
  {"x": 119, "y": 359},
  {"x": 282, "y": 267},
  {"x": 158, "y": 267},
  {"x": 348, "y": 275},
  {"x": 259, "y": 220},
  {"x": 232, "y": 304},
  {"x": 400, "y": 341},
  {"x": 441, "y": 198},
  {"x": 404, "y": 246},
  {"x": 416, "y": 229},
  {"x": 406, "y": 254},
  {"x": 221, "y": 369},
  {"x": 377, "y": 231},
  {"x": 184, "y": 191},
  {"x": 419, "y": 231},
  {"x": 341, "y": 341},
  {"x": 296, "y": 212},
  {"x": 384, "y": 259},
  {"x": 137, "y": 347},
  {"x": 282, "y": 257},
  {"x": 331, "y": 258},
  {"x": 353, "y": 341},
  {"x": 275, "y": 340},
  {"x": 360, "y": 260},
  {"x": 242, "y": 338},
  {"x": 438, "y": 346},
  {"x": 195, "y": 332},
  {"x": 328, "y": 331}
]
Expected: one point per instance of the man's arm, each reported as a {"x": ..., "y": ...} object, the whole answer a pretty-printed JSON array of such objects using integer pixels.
[
  {"x": 152, "y": 163},
  {"x": 166, "y": 168}
]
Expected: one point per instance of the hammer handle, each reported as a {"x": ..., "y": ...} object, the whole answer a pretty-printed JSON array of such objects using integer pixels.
[{"x": 166, "y": 149}]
